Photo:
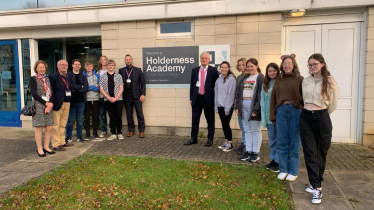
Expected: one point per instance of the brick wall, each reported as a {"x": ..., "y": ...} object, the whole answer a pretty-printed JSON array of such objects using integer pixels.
[
  {"x": 168, "y": 110},
  {"x": 368, "y": 137}
]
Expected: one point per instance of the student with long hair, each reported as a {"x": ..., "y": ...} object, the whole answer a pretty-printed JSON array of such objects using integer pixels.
[
  {"x": 103, "y": 69},
  {"x": 272, "y": 72},
  {"x": 285, "y": 107},
  {"x": 247, "y": 104},
  {"x": 240, "y": 66},
  {"x": 223, "y": 102},
  {"x": 320, "y": 95}
]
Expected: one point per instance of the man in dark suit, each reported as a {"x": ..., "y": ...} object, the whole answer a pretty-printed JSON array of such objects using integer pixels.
[
  {"x": 134, "y": 95},
  {"x": 202, "y": 84},
  {"x": 61, "y": 87}
]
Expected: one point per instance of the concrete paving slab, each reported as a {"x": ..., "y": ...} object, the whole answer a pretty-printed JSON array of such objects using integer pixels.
[
  {"x": 329, "y": 186},
  {"x": 4, "y": 173},
  {"x": 343, "y": 178},
  {"x": 363, "y": 205},
  {"x": 15, "y": 149},
  {"x": 16, "y": 166},
  {"x": 303, "y": 201},
  {"x": 17, "y": 178},
  {"x": 39, "y": 168}
]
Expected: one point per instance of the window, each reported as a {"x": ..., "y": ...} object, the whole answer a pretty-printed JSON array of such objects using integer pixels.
[{"x": 173, "y": 29}]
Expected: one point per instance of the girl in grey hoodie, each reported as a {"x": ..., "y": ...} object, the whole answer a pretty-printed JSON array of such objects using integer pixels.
[{"x": 224, "y": 100}]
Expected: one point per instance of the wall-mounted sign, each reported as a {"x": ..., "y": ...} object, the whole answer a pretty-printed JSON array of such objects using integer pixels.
[
  {"x": 6, "y": 74},
  {"x": 170, "y": 67}
]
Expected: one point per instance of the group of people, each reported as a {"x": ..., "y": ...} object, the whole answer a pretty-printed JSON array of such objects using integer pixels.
[
  {"x": 295, "y": 110},
  {"x": 65, "y": 97}
]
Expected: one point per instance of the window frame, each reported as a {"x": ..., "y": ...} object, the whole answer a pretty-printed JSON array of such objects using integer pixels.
[{"x": 175, "y": 35}]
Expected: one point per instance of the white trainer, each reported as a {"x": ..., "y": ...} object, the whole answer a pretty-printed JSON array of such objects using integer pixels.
[
  {"x": 111, "y": 137},
  {"x": 317, "y": 196},
  {"x": 282, "y": 176},
  {"x": 120, "y": 137},
  {"x": 291, "y": 178},
  {"x": 310, "y": 189}
]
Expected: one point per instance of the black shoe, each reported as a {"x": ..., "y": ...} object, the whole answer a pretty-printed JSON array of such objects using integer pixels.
[
  {"x": 245, "y": 156},
  {"x": 191, "y": 141},
  {"x": 51, "y": 152},
  {"x": 254, "y": 157},
  {"x": 275, "y": 168},
  {"x": 41, "y": 155},
  {"x": 209, "y": 143},
  {"x": 80, "y": 140},
  {"x": 68, "y": 140},
  {"x": 240, "y": 147},
  {"x": 269, "y": 165},
  {"x": 87, "y": 136},
  {"x": 96, "y": 137}
]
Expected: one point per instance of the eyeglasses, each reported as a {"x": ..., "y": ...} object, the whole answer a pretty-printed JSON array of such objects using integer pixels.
[
  {"x": 312, "y": 65},
  {"x": 63, "y": 64},
  {"x": 287, "y": 64}
]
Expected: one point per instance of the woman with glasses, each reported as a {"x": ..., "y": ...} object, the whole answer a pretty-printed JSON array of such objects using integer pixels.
[
  {"x": 320, "y": 95},
  {"x": 285, "y": 107}
]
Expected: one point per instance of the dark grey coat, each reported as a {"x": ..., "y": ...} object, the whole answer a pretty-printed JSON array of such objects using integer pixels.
[{"x": 255, "y": 104}]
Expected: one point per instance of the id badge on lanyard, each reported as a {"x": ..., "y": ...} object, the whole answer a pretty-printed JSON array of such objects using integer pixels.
[
  {"x": 67, "y": 93},
  {"x": 45, "y": 98}
]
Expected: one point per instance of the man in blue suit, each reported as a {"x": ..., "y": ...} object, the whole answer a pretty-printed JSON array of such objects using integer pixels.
[
  {"x": 61, "y": 87},
  {"x": 203, "y": 79}
]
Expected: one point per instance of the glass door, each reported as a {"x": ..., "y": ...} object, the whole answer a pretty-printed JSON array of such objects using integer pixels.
[{"x": 10, "y": 101}]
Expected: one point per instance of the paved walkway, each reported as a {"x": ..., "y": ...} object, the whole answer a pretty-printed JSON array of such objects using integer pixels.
[{"x": 349, "y": 179}]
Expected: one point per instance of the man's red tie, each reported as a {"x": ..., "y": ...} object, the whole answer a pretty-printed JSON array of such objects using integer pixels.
[{"x": 202, "y": 81}]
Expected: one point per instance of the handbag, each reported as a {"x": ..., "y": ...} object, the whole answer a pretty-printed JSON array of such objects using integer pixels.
[{"x": 28, "y": 110}]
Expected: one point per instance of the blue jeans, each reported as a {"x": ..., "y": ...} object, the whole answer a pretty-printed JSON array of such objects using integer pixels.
[
  {"x": 76, "y": 111},
  {"x": 103, "y": 120},
  {"x": 272, "y": 134},
  {"x": 288, "y": 138},
  {"x": 253, "y": 136},
  {"x": 241, "y": 127}
]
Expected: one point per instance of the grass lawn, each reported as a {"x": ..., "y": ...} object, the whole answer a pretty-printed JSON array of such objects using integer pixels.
[{"x": 112, "y": 182}]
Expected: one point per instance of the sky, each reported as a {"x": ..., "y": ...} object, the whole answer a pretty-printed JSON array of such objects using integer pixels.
[{"x": 18, "y": 4}]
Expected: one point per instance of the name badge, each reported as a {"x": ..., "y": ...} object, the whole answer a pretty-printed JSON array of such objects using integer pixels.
[
  {"x": 198, "y": 84},
  {"x": 45, "y": 98},
  {"x": 128, "y": 81},
  {"x": 68, "y": 93}
]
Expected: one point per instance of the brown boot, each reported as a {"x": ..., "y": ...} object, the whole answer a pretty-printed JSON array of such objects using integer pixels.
[
  {"x": 131, "y": 134},
  {"x": 141, "y": 134}
]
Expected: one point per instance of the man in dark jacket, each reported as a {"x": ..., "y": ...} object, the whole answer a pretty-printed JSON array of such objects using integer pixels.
[
  {"x": 133, "y": 95},
  {"x": 61, "y": 103},
  {"x": 203, "y": 79},
  {"x": 79, "y": 87}
]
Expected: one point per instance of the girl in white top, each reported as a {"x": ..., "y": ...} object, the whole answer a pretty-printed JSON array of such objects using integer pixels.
[{"x": 320, "y": 96}]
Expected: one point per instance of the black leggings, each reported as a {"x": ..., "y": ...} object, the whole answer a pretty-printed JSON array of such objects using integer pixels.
[{"x": 225, "y": 120}]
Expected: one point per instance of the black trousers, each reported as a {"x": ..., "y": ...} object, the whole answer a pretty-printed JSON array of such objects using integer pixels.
[
  {"x": 91, "y": 107},
  {"x": 225, "y": 121},
  {"x": 131, "y": 102},
  {"x": 115, "y": 114},
  {"x": 197, "y": 109},
  {"x": 316, "y": 133}
]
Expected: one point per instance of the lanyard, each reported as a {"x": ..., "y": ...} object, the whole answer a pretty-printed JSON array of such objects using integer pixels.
[
  {"x": 128, "y": 75},
  {"x": 45, "y": 86},
  {"x": 66, "y": 83}
]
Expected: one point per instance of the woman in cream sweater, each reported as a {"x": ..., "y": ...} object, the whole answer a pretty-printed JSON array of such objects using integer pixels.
[{"x": 320, "y": 96}]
